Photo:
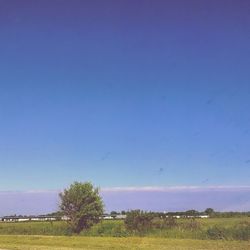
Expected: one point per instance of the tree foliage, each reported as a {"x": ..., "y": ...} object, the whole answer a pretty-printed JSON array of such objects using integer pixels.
[
  {"x": 209, "y": 211},
  {"x": 138, "y": 221},
  {"x": 82, "y": 204}
]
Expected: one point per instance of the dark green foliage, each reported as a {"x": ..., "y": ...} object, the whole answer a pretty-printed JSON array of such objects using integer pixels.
[
  {"x": 209, "y": 211},
  {"x": 217, "y": 233},
  {"x": 82, "y": 204},
  {"x": 230, "y": 214},
  {"x": 192, "y": 212},
  {"x": 139, "y": 221},
  {"x": 163, "y": 222},
  {"x": 56, "y": 214},
  {"x": 170, "y": 222},
  {"x": 113, "y": 214},
  {"x": 192, "y": 225},
  {"x": 242, "y": 231},
  {"x": 107, "y": 228}
]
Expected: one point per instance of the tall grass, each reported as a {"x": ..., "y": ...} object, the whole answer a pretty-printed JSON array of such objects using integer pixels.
[
  {"x": 34, "y": 228},
  {"x": 215, "y": 229}
]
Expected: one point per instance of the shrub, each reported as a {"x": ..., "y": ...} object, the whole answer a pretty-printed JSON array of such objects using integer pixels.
[
  {"x": 241, "y": 231},
  {"x": 157, "y": 223},
  {"x": 192, "y": 225},
  {"x": 217, "y": 233},
  {"x": 170, "y": 222},
  {"x": 138, "y": 221}
]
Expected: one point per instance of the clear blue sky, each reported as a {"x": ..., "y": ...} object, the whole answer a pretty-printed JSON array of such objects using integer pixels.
[{"x": 124, "y": 93}]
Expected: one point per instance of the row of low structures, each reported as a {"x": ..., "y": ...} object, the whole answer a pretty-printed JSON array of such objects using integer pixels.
[
  {"x": 65, "y": 218},
  {"x": 32, "y": 218},
  {"x": 189, "y": 216},
  {"x": 52, "y": 218}
]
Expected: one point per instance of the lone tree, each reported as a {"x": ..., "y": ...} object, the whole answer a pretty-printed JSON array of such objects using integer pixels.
[{"x": 82, "y": 204}]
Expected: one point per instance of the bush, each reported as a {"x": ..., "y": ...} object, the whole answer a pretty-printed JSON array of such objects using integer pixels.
[
  {"x": 157, "y": 223},
  {"x": 143, "y": 222},
  {"x": 241, "y": 231},
  {"x": 238, "y": 232},
  {"x": 217, "y": 233},
  {"x": 192, "y": 225},
  {"x": 139, "y": 221},
  {"x": 119, "y": 231},
  {"x": 170, "y": 222}
]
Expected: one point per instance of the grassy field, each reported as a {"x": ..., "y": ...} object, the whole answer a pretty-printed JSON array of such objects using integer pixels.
[
  {"x": 213, "y": 228},
  {"x": 111, "y": 243},
  {"x": 55, "y": 236},
  {"x": 34, "y": 228}
]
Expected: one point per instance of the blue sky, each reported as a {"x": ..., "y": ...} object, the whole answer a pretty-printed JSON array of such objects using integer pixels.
[{"x": 124, "y": 93}]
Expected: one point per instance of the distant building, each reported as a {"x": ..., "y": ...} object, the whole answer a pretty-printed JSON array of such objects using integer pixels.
[
  {"x": 203, "y": 216},
  {"x": 113, "y": 217},
  {"x": 65, "y": 217},
  {"x": 177, "y": 216},
  {"x": 55, "y": 218},
  {"x": 120, "y": 216},
  {"x": 30, "y": 218},
  {"x": 107, "y": 217},
  {"x": 188, "y": 216},
  {"x": 14, "y": 218}
]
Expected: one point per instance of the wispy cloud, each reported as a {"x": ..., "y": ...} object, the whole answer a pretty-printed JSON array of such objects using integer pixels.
[
  {"x": 31, "y": 191},
  {"x": 140, "y": 188},
  {"x": 174, "y": 188}
]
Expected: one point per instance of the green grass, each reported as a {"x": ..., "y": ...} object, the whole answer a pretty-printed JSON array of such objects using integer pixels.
[
  {"x": 213, "y": 228},
  {"x": 226, "y": 222},
  {"x": 34, "y": 228},
  {"x": 47, "y": 235},
  {"x": 111, "y": 243}
]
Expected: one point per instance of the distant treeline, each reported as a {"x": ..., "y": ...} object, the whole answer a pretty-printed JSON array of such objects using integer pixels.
[
  {"x": 209, "y": 211},
  {"x": 230, "y": 214}
]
